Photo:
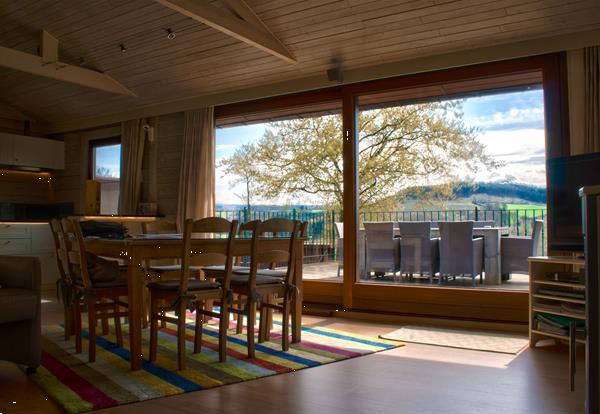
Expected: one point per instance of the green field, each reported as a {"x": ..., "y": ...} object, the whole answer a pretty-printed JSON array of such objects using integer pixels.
[{"x": 509, "y": 206}]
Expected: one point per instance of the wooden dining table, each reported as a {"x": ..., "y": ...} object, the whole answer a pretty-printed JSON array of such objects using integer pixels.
[{"x": 135, "y": 251}]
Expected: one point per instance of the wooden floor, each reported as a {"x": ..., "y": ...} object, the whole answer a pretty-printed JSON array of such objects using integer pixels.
[{"x": 412, "y": 379}]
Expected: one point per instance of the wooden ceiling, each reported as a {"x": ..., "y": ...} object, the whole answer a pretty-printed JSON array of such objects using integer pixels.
[{"x": 203, "y": 61}]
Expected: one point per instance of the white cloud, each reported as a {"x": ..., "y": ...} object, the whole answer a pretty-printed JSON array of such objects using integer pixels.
[{"x": 512, "y": 117}]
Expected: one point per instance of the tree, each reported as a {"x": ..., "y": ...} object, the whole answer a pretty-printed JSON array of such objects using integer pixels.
[
  {"x": 241, "y": 165},
  {"x": 103, "y": 172},
  {"x": 400, "y": 147}
]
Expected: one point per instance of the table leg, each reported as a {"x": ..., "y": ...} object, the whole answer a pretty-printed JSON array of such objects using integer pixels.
[
  {"x": 491, "y": 250},
  {"x": 297, "y": 304},
  {"x": 135, "y": 311}
]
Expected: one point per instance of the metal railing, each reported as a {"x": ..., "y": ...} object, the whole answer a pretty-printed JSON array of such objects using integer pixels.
[{"x": 322, "y": 235}]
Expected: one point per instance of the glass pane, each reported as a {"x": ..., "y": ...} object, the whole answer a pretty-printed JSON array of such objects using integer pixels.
[
  {"x": 287, "y": 168},
  {"x": 107, "y": 162},
  {"x": 479, "y": 157},
  {"x": 107, "y": 170}
]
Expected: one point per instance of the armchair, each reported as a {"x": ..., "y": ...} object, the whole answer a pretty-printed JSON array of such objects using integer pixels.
[{"x": 20, "y": 311}]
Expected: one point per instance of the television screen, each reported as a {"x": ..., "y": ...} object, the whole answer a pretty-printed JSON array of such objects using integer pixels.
[{"x": 566, "y": 175}]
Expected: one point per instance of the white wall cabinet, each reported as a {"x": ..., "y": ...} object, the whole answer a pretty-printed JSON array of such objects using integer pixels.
[
  {"x": 22, "y": 151},
  {"x": 31, "y": 239}
]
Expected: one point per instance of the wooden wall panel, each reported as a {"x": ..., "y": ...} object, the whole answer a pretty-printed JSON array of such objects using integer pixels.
[{"x": 22, "y": 187}]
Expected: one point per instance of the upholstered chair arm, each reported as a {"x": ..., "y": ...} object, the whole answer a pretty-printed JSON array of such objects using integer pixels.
[{"x": 20, "y": 272}]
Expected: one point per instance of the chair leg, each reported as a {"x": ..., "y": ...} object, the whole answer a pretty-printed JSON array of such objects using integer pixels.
[
  {"x": 262, "y": 324},
  {"x": 251, "y": 315},
  {"x": 105, "y": 329},
  {"x": 68, "y": 315},
  {"x": 240, "y": 321},
  {"x": 153, "y": 329},
  {"x": 199, "y": 326},
  {"x": 181, "y": 336},
  {"x": 223, "y": 327},
  {"x": 92, "y": 319},
  {"x": 118, "y": 331},
  {"x": 285, "y": 329},
  {"x": 77, "y": 326}
]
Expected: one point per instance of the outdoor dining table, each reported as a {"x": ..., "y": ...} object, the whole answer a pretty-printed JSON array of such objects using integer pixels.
[
  {"x": 134, "y": 251},
  {"x": 491, "y": 250}
]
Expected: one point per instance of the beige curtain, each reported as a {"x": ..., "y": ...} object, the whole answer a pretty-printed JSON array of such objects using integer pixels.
[
  {"x": 197, "y": 173},
  {"x": 133, "y": 137},
  {"x": 591, "y": 62}
]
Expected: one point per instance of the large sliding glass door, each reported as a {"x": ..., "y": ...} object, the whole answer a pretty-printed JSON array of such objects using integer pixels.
[{"x": 355, "y": 160}]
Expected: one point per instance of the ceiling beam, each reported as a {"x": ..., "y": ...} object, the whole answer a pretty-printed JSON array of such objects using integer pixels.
[
  {"x": 244, "y": 28},
  {"x": 49, "y": 66},
  {"x": 244, "y": 11}
]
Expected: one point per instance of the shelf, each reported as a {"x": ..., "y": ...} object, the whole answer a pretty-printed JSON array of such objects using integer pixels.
[
  {"x": 565, "y": 284},
  {"x": 568, "y": 314},
  {"x": 559, "y": 298},
  {"x": 568, "y": 260},
  {"x": 556, "y": 336}
]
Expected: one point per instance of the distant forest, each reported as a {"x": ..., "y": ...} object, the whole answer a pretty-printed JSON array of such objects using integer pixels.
[{"x": 524, "y": 192}]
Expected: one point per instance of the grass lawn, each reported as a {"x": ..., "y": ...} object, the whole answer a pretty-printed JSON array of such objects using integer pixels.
[{"x": 509, "y": 206}]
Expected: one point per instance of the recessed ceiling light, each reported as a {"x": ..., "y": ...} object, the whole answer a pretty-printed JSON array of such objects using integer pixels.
[{"x": 170, "y": 34}]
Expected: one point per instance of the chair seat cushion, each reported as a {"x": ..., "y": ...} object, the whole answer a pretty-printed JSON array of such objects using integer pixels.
[
  {"x": 193, "y": 284},
  {"x": 279, "y": 273},
  {"x": 17, "y": 305},
  {"x": 221, "y": 268},
  {"x": 120, "y": 282},
  {"x": 239, "y": 279},
  {"x": 172, "y": 268}
]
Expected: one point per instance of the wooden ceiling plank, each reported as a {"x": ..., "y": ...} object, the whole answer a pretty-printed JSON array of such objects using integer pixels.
[{"x": 237, "y": 28}]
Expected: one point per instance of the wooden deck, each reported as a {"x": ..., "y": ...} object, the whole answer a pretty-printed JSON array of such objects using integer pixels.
[{"x": 328, "y": 271}]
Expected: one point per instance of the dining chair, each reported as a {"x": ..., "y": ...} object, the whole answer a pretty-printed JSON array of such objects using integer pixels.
[
  {"x": 383, "y": 249},
  {"x": 179, "y": 295},
  {"x": 257, "y": 287},
  {"x": 64, "y": 284},
  {"x": 101, "y": 298},
  {"x": 514, "y": 250},
  {"x": 420, "y": 251},
  {"x": 460, "y": 253}
]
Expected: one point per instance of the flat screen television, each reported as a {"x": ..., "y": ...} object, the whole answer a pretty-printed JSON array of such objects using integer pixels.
[{"x": 566, "y": 175}]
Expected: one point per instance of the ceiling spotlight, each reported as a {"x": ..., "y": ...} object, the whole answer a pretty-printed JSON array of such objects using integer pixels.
[
  {"x": 170, "y": 34},
  {"x": 123, "y": 48}
]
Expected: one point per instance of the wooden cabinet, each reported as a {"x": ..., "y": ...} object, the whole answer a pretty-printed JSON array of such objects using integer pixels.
[
  {"x": 6, "y": 149},
  {"x": 22, "y": 151}
]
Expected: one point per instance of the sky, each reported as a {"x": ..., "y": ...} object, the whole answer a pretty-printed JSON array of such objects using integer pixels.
[{"x": 510, "y": 125}]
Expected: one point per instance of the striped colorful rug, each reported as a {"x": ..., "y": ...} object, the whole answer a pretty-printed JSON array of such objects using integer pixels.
[{"x": 79, "y": 387}]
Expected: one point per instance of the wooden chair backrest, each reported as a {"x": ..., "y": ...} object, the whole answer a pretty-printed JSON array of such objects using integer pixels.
[
  {"x": 211, "y": 254},
  {"x": 60, "y": 247},
  {"x": 75, "y": 245},
  {"x": 262, "y": 251},
  {"x": 159, "y": 227}
]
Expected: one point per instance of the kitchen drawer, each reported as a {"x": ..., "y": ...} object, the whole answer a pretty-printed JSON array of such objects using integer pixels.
[
  {"x": 15, "y": 246},
  {"x": 15, "y": 231}
]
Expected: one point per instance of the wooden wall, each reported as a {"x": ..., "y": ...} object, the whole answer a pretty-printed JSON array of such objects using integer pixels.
[
  {"x": 169, "y": 137},
  {"x": 25, "y": 187},
  {"x": 160, "y": 168}
]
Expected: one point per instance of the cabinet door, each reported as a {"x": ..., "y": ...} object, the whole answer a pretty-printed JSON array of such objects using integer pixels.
[
  {"x": 33, "y": 152},
  {"x": 6, "y": 149}
]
